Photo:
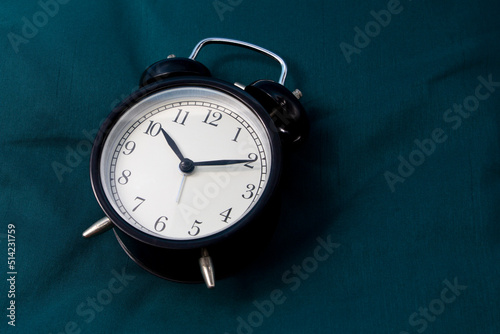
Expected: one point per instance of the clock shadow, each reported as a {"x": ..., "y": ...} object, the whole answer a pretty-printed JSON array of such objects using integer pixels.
[
  {"x": 308, "y": 204},
  {"x": 309, "y": 208}
]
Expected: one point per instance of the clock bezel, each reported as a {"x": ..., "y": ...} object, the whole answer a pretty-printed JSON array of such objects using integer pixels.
[{"x": 145, "y": 92}]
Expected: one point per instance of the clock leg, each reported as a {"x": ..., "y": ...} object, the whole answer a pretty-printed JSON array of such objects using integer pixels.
[
  {"x": 100, "y": 226},
  {"x": 207, "y": 268}
]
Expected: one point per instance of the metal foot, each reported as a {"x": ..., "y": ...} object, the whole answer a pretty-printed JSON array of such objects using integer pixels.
[
  {"x": 207, "y": 268},
  {"x": 100, "y": 226}
]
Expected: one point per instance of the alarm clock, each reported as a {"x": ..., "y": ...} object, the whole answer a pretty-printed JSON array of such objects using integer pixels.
[{"x": 187, "y": 168}]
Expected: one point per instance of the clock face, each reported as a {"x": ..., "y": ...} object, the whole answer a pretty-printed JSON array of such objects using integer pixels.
[{"x": 186, "y": 163}]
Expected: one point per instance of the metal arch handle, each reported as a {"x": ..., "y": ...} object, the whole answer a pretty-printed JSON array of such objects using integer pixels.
[{"x": 217, "y": 40}]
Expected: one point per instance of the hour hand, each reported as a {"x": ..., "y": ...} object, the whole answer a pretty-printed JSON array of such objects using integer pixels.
[{"x": 172, "y": 145}]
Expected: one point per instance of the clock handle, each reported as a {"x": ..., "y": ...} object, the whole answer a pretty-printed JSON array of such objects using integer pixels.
[
  {"x": 100, "y": 226},
  {"x": 227, "y": 41}
]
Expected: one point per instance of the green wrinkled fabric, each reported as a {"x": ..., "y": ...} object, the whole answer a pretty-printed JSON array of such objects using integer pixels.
[{"x": 391, "y": 216}]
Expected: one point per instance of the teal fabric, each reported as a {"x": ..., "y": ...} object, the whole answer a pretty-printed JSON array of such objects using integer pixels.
[{"x": 391, "y": 213}]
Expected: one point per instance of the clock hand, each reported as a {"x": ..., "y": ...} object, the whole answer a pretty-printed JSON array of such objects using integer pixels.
[
  {"x": 222, "y": 162},
  {"x": 172, "y": 145},
  {"x": 180, "y": 188}
]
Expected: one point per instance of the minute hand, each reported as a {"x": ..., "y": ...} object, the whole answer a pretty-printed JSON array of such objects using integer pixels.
[{"x": 222, "y": 162}]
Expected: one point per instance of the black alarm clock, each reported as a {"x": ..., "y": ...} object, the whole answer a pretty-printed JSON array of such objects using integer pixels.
[{"x": 187, "y": 168}]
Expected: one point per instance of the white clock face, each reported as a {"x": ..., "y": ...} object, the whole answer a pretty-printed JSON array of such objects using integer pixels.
[{"x": 226, "y": 142}]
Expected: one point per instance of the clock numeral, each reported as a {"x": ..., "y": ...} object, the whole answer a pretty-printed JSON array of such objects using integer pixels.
[
  {"x": 250, "y": 190},
  {"x": 130, "y": 147},
  {"x": 226, "y": 214},
  {"x": 161, "y": 223},
  {"x": 253, "y": 157},
  {"x": 153, "y": 129},
  {"x": 195, "y": 230},
  {"x": 124, "y": 178},
  {"x": 176, "y": 120},
  {"x": 216, "y": 115},
  {"x": 237, "y": 134},
  {"x": 138, "y": 205}
]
